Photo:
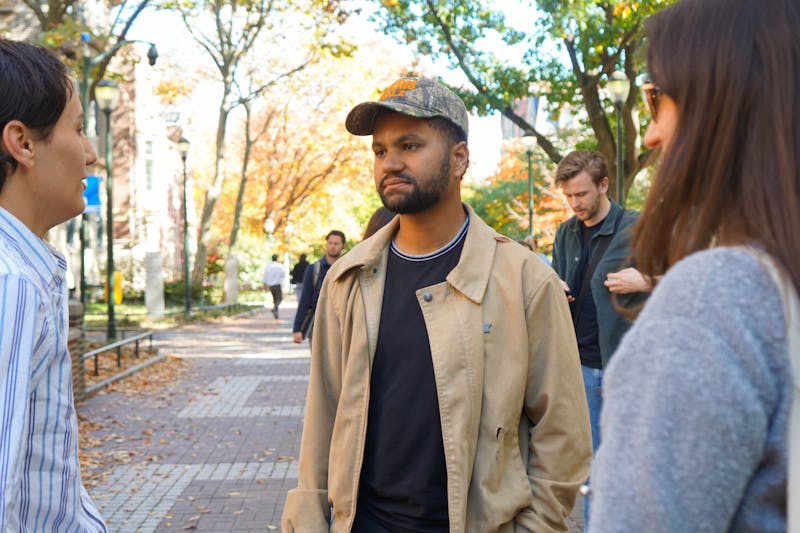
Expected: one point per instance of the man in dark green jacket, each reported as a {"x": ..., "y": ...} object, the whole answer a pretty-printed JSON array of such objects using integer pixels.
[{"x": 590, "y": 255}]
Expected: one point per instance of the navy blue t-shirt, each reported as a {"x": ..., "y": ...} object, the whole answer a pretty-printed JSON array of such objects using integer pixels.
[
  {"x": 403, "y": 485},
  {"x": 586, "y": 328}
]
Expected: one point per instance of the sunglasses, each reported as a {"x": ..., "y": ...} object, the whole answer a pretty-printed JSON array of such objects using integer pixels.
[{"x": 652, "y": 96}]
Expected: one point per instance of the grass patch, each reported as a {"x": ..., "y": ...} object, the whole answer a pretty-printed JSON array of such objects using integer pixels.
[{"x": 133, "y": 314}]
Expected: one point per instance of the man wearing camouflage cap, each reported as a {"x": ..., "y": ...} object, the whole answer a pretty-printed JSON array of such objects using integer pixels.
[{"x": 445, "y": 393}]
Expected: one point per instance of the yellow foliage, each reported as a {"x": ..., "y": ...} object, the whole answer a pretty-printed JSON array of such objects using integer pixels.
[
  {"x": 625, "y": 9},
  {"x": 550, "y": 209},
  {"x": 305, "y": 171},
  {"x": 171, "y": 90}
]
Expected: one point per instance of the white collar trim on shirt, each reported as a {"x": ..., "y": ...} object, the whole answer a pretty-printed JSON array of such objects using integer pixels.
[{"x": 455, "y": 241}]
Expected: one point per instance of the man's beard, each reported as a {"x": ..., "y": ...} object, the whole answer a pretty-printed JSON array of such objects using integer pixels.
[
  {"x": 420, "y": 198},
  {"x": 592, "y": 210}
]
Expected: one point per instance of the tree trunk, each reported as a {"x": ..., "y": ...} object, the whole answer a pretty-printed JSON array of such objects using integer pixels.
[
  {"x": 214, "y": 191},
  {"x": 248, "y": 146}
]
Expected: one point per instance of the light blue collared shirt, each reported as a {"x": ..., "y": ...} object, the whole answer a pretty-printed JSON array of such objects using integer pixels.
[{"x": 40, "y": 477}]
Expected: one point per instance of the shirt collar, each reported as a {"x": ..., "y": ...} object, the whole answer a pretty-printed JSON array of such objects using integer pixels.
[
  {"x": 38, "y": 254},
  {"x": 471, "y": 274},
  {"x": 606, "y": 225}
]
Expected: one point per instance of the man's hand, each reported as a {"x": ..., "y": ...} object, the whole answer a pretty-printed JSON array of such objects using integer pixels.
[
  {"x": 626, "y": 281},
  {"x": 567, "y": 291},
  {"x": 297, "y": 337}
]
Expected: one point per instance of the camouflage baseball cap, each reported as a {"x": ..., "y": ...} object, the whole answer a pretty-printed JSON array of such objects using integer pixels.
[{"x": 416, "y": 97}]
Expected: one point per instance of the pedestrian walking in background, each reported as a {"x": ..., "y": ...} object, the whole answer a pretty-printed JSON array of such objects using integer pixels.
[
  {"x": 44, "y": 155},
  {"x": 312, "y": 283},
  {"x": 588, "y": 252},
  {"x": 698, "y": 395},
  {"x": 274, "y": 275},
  {"x": 298, "y": 270},
  {"x": 438, "y": 345}
]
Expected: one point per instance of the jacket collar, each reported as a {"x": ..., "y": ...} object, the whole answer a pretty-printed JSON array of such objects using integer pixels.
[
  {"x": 470, "y": 276},
  {"x": 607, "y": 226}
]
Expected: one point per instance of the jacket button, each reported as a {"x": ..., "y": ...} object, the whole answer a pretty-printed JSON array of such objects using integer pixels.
[{"x": 427, "y": 296}]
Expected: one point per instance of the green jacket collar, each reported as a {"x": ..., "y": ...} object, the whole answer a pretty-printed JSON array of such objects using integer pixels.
[{"x": 607, "y": 226}]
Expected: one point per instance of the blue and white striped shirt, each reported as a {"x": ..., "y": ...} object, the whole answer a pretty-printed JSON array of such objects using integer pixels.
[{"x": 40, "y": 477}]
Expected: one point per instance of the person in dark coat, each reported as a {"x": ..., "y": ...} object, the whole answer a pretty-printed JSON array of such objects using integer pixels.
[{"x": 297, "y": 274}]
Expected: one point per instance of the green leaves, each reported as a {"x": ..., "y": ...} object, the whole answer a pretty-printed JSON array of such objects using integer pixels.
[{"x": 565, "y": 51}]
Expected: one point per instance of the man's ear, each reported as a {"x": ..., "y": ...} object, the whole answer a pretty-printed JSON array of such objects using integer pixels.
[
  {"x": 603, "y": 185},
  {"x": 17, "y": 142},
  {"x": 460, "y": 155}
]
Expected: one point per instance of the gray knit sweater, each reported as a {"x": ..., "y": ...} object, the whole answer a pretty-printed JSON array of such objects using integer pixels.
[{"x": 696, "y": 406}]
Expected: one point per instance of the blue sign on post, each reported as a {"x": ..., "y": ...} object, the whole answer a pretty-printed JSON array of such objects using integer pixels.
[{"x": 92, "y": 194}]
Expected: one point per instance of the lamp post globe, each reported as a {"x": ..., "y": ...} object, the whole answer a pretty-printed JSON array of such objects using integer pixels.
[
  {"x": 183, "y": 147},
  {"x": 269, "y": 227},
  {"x": 107, "y": 96},
  {"x": 618, "y": 87}
]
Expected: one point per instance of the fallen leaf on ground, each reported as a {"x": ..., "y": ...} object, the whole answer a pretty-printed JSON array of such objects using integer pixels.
[{"x": 99, "y": 454}]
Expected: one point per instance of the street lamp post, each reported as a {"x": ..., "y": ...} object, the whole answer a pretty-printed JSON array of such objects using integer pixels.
[
  {"x": 529, "y": 142},
  {"x": 183, "y": 150},
  {"x": 107, "y": 94},
  {"x": 618, "y": 88},
  {"x": 86, "y": 70}
]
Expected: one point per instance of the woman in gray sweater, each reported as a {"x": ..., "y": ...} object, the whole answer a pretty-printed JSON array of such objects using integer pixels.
[{"x": 697, "y": 397}]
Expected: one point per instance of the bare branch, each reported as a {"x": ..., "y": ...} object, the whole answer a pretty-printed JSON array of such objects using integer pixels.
[
  {"x": 254, "y": 93},
  {"x": 207, "y": 44},
  {"x": 496, "y": 103},
  {"x": 41, "y": 16}
]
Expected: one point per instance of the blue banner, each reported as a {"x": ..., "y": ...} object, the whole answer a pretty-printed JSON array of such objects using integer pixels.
[{"x": 92, "y": 194}]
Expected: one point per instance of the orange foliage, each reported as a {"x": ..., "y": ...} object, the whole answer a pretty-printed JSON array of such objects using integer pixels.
[{"x": 507, "y": 205}]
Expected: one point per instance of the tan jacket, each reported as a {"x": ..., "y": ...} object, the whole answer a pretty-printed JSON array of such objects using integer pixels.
[{"x": 515, "y": 425}]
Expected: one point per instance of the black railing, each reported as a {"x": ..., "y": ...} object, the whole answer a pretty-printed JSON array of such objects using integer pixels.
[{"x": 118, "y": 347}]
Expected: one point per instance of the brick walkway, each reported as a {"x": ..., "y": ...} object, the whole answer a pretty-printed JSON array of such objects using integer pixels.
[{"x": 217, "y": 452}]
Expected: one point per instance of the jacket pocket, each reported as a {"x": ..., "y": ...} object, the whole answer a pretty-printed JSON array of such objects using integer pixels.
[{"x": 505, "y": 486}]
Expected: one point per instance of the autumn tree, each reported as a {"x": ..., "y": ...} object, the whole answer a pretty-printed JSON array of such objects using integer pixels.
[
  {"x": 302, "y": 167},
  {"x": 502, "y": 201},
  {"x": 256, "y": 92},
  {"x": 252, "y": 133},
  {"x": 228, "y": 31},
  {"x": 302, "y": 148},
  {"x": 571, "y": 47}
]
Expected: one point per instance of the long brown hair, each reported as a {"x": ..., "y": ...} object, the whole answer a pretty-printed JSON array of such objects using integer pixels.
[{"x": 730, "y": 173}]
